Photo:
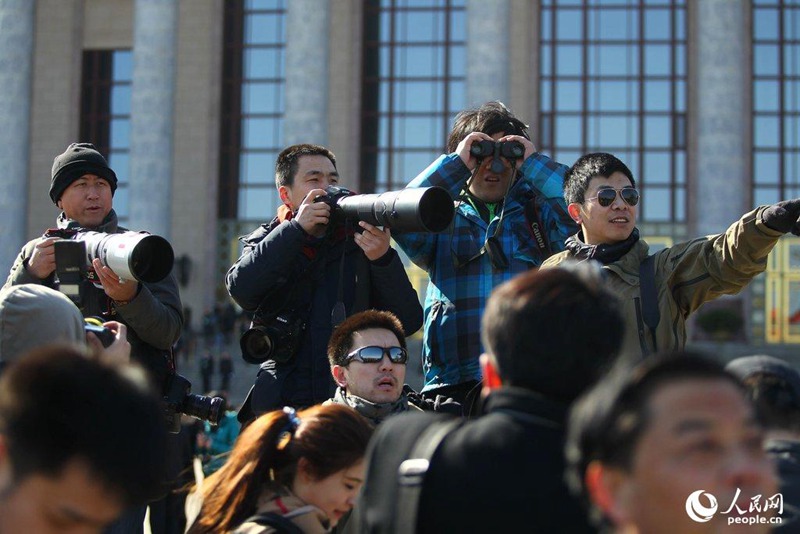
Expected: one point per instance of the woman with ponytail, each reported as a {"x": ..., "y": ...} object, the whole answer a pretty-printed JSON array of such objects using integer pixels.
[{"x": 288, "y": 472}]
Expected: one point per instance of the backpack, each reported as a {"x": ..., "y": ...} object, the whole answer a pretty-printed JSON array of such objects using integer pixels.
[
  {"x": 281, "y": 524},
  {"x": 397, "y": 459}
]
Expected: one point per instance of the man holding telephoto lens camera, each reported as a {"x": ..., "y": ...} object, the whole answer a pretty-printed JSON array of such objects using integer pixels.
[
  {"x": 510, "y": 216},
  {"x": 82, "y": 186},
  {"x": 304, "y": 272}
]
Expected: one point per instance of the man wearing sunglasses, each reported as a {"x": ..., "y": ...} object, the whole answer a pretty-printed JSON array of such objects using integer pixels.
[
  {"x": 368, "y": 356},
  {"x": 603, "y": 200},
  {"x": 510, "y": 216}
]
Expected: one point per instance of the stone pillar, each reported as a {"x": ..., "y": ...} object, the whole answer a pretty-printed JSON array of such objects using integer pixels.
[
  {"x": 152, "y": 120},
  {"x": 307, "y": 32},
  {"x": 488, "y": 38},
  {"x": 16, "y": 60},
  {"x": 721, "y": 169}
]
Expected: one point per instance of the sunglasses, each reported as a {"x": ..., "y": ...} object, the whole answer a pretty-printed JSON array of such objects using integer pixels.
[
  {"x": 605, "y": 197},
  {"x": 374, "y": 354}
]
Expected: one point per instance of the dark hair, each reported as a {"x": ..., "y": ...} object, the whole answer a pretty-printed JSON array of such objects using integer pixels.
[
  {"x": 553, "y": 331},
  {"x": 287, "y": 162},
  {"x": 577, "y": 177},
  {"x": 607, "y": 423},
  {"x": 57, "y": 405},
  {"x": 341, "y": 340},
  {"x": 489, "y": 118},
  {"x": 330, "y": 438},
  {"x": 775, "y": 399}
]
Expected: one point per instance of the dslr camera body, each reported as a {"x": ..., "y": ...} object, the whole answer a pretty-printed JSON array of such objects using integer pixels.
[
  {"x": 510, "y": 150},
  {"x": 272, "y": 339}
]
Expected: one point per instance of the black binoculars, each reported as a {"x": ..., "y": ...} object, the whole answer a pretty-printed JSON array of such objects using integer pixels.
[{"x": 504, "y": 149}]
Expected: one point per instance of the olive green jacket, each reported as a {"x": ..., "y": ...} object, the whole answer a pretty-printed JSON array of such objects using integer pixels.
[{"x": 686, "y": 276}]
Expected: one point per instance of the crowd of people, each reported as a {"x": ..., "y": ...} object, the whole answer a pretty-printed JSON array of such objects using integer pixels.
[{"x": 558, "y": 395}]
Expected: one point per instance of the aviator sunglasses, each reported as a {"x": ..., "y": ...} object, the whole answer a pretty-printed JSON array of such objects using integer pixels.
[
  {"x": 374, "y": 354},
  {"x": 605, "y": 197}
]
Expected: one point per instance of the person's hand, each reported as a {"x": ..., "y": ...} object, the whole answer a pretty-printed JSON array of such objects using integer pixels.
[
  {"x": 783, "y": 216},
  {"x": 314, "y": 216},
  {"x": 463, "y": 148},
  {"x": 120, "y": 348},
  {"x": 373, "y": 241},
  {"x": 42, "y": 262},
  {"x": 117, "y": 289},
  {"x": 530, "y": 148}
]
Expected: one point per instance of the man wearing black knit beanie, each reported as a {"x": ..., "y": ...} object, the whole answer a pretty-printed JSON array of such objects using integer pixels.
[{"x": 82, "y": 186}]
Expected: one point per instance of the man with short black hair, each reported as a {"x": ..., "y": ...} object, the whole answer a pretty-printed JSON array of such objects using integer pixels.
[
  {"x": 659, "y": 294},
  {"x": 368, "y": 357},
  {"x": 670, "y": 445},
  {"x": 80, "y": 440},
  {"x": 301, "y": 276},
  {"x": 503, "y": 471}
]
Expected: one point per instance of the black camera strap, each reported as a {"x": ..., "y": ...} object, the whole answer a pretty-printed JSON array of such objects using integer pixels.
[{"x": 536, "y": 227}]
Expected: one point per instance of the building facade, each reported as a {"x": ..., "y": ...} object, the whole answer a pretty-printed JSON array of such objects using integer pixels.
[{"x": 191, "y": 100}]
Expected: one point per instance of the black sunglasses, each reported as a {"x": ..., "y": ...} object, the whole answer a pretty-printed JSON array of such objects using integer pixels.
[
  {"x": 605, "y": 197},
  {"x": 374, "y": 354}
]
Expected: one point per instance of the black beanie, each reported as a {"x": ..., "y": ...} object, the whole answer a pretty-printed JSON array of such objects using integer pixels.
[{"x": 79, "y": 159}]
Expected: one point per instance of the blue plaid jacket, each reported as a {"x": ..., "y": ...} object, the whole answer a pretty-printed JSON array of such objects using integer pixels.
[{"x": 458, "y": 288}]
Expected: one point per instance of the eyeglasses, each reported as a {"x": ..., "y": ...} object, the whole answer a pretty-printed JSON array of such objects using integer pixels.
[
  {"x": 605, "y": 197},
  {"x": 374, "y": 354}
]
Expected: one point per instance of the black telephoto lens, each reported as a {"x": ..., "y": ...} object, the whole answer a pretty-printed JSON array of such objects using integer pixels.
[{"x": 206, "y": 408}]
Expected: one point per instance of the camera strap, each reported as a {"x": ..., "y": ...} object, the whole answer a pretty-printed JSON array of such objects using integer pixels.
[{"x": 536, "y": 227}]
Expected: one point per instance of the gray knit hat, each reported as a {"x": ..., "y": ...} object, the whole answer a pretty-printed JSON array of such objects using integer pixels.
[
  {"x": 79, "y": 159},
  {"x": 32, "y": 315}
]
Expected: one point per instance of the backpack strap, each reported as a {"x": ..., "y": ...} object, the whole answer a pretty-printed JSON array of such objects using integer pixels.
[
  {"x": 411, "y": 473},
  {"x": 649, "y": 295},
  {"x": 280, "y": 523}
]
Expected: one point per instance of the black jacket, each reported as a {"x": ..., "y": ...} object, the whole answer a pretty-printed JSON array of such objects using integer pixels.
[
  {"x": 503, "y": 472},
  {"x": 154, "y": 316},
  {"x": 282, "y": 267}
]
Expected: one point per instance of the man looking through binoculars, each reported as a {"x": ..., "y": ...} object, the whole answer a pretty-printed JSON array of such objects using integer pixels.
[{"x": 510, "y": 216}]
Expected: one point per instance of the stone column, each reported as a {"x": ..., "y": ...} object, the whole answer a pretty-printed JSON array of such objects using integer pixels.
[
  {"x": 721, "y": 169},
  {"x": 16, "y": 60},
  {"x": 152, "y": 115},
  {"x": 488, "y": 38},
  {"x": 307, "y": 32}
]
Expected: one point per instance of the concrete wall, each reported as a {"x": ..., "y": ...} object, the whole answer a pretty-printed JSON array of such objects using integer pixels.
[{"x": 196, "y": 147}]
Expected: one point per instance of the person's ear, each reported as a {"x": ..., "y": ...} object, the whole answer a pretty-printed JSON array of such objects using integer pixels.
[
  {"x": 339, "y": 375},
  {"x": 574, "y": 210},
  {"x": 606, "y": 488},
  {"x": 58, "y": 203},
  {"x": 284, "y": 193},
  {"x": 303, "y": 473},
  {"x": 491, "y": 375}
]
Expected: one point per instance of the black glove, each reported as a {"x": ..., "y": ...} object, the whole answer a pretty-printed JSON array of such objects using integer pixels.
[{"x": 783, "y": 216}]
